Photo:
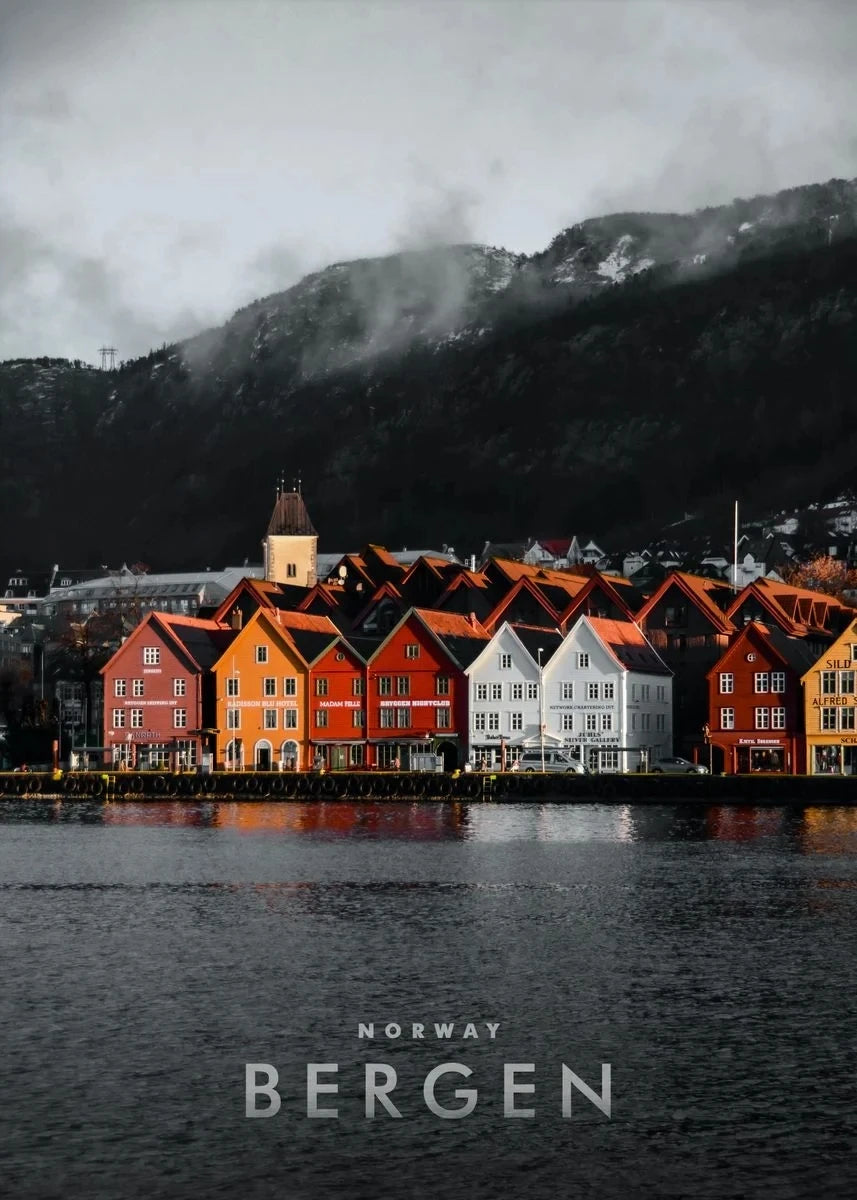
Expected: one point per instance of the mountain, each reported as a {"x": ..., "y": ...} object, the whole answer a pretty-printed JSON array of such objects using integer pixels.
[{"x": 642, "y": 364}]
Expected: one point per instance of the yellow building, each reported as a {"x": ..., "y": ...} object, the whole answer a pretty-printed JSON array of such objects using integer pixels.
[
  {"x": 831, "y": 708},
  {"x": 291, "y": 543}
]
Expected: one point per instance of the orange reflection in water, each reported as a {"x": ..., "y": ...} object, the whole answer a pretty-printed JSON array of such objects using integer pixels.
[{"x": 829, "y": 831}]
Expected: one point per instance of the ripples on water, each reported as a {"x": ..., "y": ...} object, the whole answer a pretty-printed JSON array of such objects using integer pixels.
[{"x": 150, "y": 950}]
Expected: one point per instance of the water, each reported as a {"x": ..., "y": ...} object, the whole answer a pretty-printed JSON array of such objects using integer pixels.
[{"x": 150, "y": 951}]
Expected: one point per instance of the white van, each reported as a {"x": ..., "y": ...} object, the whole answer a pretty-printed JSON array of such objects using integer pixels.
[{"x": 554, "y": 760}]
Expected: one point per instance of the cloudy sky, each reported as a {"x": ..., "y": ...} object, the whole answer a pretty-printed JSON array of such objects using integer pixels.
[{"x": 162, "y": 164}]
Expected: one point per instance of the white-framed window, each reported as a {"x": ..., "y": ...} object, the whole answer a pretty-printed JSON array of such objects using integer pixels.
[
  {"x": 505, "y": 662},
  {"x": 479, "y": 722},
  {"x": 493, "y": 722},
  {"x": 566, "y": 691},
  {"x": 778, "y": 681},
  {"x": 403, "y": 685},
  {"x": 567, "y": 722},
  {"x": 516, "y": 691},
  {"x": 583, "y": 662},
  {"x": 358, "y": 718},
  {"x": 357, "y": 686},
  {"x": 137, "y": 687},
  {"x": 828, "y": 718},
  {"x": 261, "y": 654},
  {"x": 385, "y": 685},
  {"x": 480, "y": 691},
  {"x": 496, "y": 691},
  {"x": 151, "y": 656},
  {"x": 727, "y": 682},
  {"x": 269, "y": 686},
  {"x": 179, "y": 687},
  {"x": 609, "y": 691},
  {"x": 591, "y": 722},
  {"x": 645, "y": 722},
  {"x": 118, "y": 718},
  {"x": 269, "y": 720},
  {"x": 321, "y": 718},
  {"x": 290, "y": 718},
  {"x": 233, "y": 718},
  {"x": 136, "y": 718},
  {"x": 846, "y": 683},
  {"x": 119, "y": 688},
  {"x": 828, "y": 683},
  {"x": 321, "y": 686},
  {"x": 291, "y": 570},
  {"x": 635, "y": 691},
  {"x": 633, "y": 721},
  {"x": 290, "y": 685},
  {"x": 232, "y": 685},
  {"x": 762, "y": 718},
  {"x": 179, "y": 718},
  {"x": 778, "y": 718},
  {"x": 645, "y": 688},
  {"x": 661, "y": 692},
  {"x": 412, "y": 650},
  {"x": 761, "y": 681},
  {"x": 403, "y": 718},
  {"x": 442, "y": 685},
  {"x": 516, "y": 722},
  {"x": 532, "y": 691},
  {"x": 661, "y": 722},
  {"x": 846, "y": 717},
  {"x": 592, "y": 691},
  {"x": 442, "y": 718},
  {"x": 727, "y": 718}
]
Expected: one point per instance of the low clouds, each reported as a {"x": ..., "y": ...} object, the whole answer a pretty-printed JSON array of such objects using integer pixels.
[{"x": 165, "y": 163}]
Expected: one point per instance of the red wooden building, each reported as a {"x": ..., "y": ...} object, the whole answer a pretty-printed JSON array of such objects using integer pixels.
[
  {"x": 336, "y": 689},
  {"x": 417, "y": 692},
  {"x": 159, "y": 693},
  {"x": 756, "y": 710}
]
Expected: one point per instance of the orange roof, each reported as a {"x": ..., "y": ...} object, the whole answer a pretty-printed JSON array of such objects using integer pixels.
[
  {"x": 697, "y": 588},
  {"x": 624, "y": 633},
  {"x": 301, "y": 620},
  {"x": 447, "y": 624}
]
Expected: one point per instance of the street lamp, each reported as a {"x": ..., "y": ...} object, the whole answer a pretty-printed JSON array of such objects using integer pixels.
[{"x": 540, "y": 652}]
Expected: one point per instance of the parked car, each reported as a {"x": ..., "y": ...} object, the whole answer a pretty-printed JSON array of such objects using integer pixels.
[
  {"x": 554, "y": 760},
  {"x": 677, "y": 766}
]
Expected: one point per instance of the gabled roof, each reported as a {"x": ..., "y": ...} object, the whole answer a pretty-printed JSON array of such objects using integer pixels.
[
  {"x": 461, "y": 638},
  {"x": 532, "y": 637},
  {"x": 197, "y": 641},
  {"x": 386, "y": 591},
  {"x": 290, "y": 517},
  {"x": 628, "y": 645},
  {"x": 793, "y": 652},
  {"x": 310, "y": 634},
  {"x": 699, "y": 591}
]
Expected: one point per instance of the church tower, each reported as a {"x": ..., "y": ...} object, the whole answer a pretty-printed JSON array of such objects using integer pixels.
[{"x": 291, "y": 543}]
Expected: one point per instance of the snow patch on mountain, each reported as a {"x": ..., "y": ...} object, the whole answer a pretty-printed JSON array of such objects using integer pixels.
[{"x": 619, "y": 264}]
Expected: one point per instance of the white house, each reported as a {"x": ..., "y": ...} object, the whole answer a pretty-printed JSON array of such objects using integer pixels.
[
  {"x": 505, "y": 711},
  {"x": 608, "y": 696}
]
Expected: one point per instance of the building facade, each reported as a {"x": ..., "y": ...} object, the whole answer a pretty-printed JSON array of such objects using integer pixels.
[{"x": 830, "y": 699}]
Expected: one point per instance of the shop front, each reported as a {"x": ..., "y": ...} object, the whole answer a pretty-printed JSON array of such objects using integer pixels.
[
  {"x": 337, "y": 755},
  {"x": 833, "y": 757},
  {"x": 749, "y": 755},
  {"x": 150, "y": 750}
]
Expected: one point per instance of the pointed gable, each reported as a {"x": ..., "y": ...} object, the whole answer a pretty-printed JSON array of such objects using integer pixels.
[
  {"x": 628, "y": 646},
  {"x": 290, "y": 517},
  {"x": 680, "y": 590}
]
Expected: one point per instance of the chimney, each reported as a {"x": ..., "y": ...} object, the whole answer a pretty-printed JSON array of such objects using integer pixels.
[
  {"x": 472, "y": 617},
  {"x": 237, "y": 619}
]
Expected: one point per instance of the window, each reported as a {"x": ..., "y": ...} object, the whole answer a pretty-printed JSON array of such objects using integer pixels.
[
  {"x": 442, "y": 718},
  {"x": 566, "y": 691},
  {"x": 480, "y": 691},
  {"x": 403, "y": 718},
  {"x": 291, "y": 570},
  {"x": 232, "y": 682},
  {"x": 269, "y": 686},
  {"x": 516, "y": 691},
  {"x": 505, "y": 662},
  {"x": 645, "y": 722},
  {"x": 532, "y": 691},
  {"x": 607, "y": 720},
  {"x": 387, "y": 718},
  {"x": 846, "y": 717},
  {"x": 762, "y": 718},
  {"x": 151, "y": 656},
  {"x": 635, "y": 692},
  {"x": 179, "y": 687},
  {"x": 358, "y": 718},
  {"x": 609, "y": 691},
  {"x": 592, "y": 691},
  {"x": 137, "y": 687},
  {"x": 828, "y": 718},
  {"x": 727, "y": 682},
  {"x": 661, "y": 722},
  {"x": 633, "y": 721},
  {"x": 761, "y": 681},
  {"x": 180, "y": 718},
  {"x": 269, "y": 718},
  {"x": 321, "y": 687},
  {"x": 583, "y": 662},
  {"x": 403, "y": 685},
  {"x": 412, "y": 650},
  {"x": 442, "y": 685},
  {"x": 778, "y": 718},
  {"x": 321, "y": 718},
  {"x": 290, "y": 686},
  {"x": 290, "y": 718},
  {"x": 136, "y": 718},
  {"x": 675, "y": 616},
  {"x": 662, "y": 692},
  {"x": 516, "y": 722},
  {"x": 233, "y": 718},
  {"x": 479, "y": 722},
  {"x": 644, "y": 691},
  {"x": 261, "y": 654},
  {"x": 493, "y": 722},
  {"x": 567, "y": 722},
  {"x": 727, "y": 718},
  {"x": 119, "y": 687},
  {"x": 357, "y": 686},
  {"x": 828, "y": 683},
  {"x": 591, "y": 722},
  {"x": 385, "y": 685},
  {"x": 186, "y": 750},
  {"x": 118, "y": 718},
  {"x": 496, "y": 691},
  {"x": 846, "y": 682}
]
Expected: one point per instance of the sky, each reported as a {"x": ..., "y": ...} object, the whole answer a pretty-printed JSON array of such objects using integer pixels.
[{"x": 162, "y": 164}]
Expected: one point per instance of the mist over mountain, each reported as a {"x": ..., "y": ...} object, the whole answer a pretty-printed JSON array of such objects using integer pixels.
[{"x": 643, "y": 363}]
